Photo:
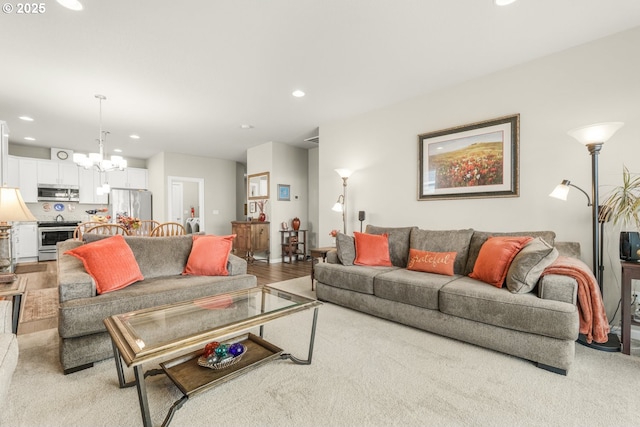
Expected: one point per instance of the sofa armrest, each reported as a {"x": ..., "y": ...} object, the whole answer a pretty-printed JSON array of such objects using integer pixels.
[
  {"x": 558, "y": 288},
  {"x": 6, "y": 316},
  {"x": 236, "y": 265},
  {"x": 73, "y": 280}
]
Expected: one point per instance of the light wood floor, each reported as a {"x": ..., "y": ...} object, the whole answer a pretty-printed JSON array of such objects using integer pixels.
[{"x": 271, "y": 273}]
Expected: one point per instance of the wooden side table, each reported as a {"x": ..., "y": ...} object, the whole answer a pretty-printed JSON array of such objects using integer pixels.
[
  {"x": 318, "y": 253},
  {"x": 630, "y": 271},
  {"x": 16, "y": 290}
]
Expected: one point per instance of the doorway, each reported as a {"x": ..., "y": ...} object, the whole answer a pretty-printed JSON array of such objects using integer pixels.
[{"x": 176, "y": 202}]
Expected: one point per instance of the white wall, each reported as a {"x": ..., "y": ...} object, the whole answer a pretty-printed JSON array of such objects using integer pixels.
[
  {"x": 313, "y": 195},
  {"x": 286, "y": 165},
  {"x": 219, "y": 187},
  {"x": 588, "y": 84}
]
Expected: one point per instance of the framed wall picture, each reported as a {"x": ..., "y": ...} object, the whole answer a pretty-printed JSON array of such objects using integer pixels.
[
  {"x": 284, "y": 192},
  {"x": 477, "y": 160},
  {"x": 252, "y": 207}
]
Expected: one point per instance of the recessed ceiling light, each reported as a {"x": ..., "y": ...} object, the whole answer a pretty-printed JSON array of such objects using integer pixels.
[
  {"x": 29, "y": 138},
  {"x": 117, "y": 150},
  {"x": 503, "y": 2},
  {"x": 26, "y": 118},
  {"x": 246, "y": 126},
  {"x": 298, "y": 93},
  {"x": 71, "y": 4},
  {"x": 134, "y": 136}
]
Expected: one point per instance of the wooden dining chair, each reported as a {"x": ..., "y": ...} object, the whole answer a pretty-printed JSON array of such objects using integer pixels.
[
  {"x": 108, "y": 229},
  {"x": 168, "y": 229},
  {"x": 82, "y": 228},
  {"x": 146, "y": 226}
]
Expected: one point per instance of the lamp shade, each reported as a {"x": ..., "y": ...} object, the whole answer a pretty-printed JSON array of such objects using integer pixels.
[
  {"x": 12, "y": 207},
  {"x": 595, "y": 134},
  {"x": 561, "y": 191},
  {"x": 344, "y": 173}
]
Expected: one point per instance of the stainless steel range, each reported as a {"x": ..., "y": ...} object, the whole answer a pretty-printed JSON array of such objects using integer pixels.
[{"x": 50, "y": 233}]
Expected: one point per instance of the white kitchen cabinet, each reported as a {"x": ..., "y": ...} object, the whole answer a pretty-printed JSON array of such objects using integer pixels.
[
  {"x": 57, "y": 173},
  {"x": 129, "y": 178},
  {"x": 90, "y": 180},
  {"x": 28, "y": 180},
  {"x": 25, "y": 242},
  {"x": 13, "y": 169}
]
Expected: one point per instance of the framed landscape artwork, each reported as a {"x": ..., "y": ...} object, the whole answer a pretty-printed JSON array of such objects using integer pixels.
[{"x": 471, "y": 161}]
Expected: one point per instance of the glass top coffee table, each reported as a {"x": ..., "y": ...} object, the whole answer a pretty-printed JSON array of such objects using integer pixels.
[{"x": 181, "y": 331}]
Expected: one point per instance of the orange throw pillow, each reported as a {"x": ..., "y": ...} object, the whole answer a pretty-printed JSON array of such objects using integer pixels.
[
  {"x": 431, "y": 262},
  {"x": 209, "y": 255},
  {"x": 110, "y": 262},
  {"x": 372, "y": 249},
  {"x": 495, "y": 258}
]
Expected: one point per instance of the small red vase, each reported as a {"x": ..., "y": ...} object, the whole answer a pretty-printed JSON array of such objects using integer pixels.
[
  {"x": 262, "y": 216},
  {"x": 295, "y": 223}
]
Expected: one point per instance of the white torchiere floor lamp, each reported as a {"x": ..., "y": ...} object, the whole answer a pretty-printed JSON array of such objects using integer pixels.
[
  {"x": 341, "y": 203},
  {"x": 593, "y": 137}
]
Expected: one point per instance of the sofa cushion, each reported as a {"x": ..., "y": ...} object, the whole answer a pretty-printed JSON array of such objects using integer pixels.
[
  {"x": 346, "y": 248},
  {"x": 398, "y": 242},
  {"x": 110, "y": 262},
  {"x": 495, "y": 258},
  {"x": 353, "y": 278},
  {"x": 528, "y": 265},
  {"x": 431, "y": 262},
  {"x": 209, "y": 255},
  {"x": 156, "y": 256},
  {"x": 444, "y": 241},
  {"x": 478, "y": 301},
  {"x": 479, "y": 237},
  {"x": 410, "y": 287},
  {"x": 372, "y": 250},
  {"x": 84, "y": 316}
]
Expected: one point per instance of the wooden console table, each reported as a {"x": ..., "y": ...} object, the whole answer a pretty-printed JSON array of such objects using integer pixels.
[
  {"x": 630, "y": 271},
  {"x": 252, "y": 237}
]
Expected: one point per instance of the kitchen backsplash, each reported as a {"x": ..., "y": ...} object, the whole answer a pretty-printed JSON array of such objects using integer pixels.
[{"x": 70, "y": 211}]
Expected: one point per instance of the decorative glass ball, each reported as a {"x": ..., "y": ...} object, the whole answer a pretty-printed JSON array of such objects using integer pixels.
[
  {"x": 236, "y": 349},
  {"x": 221, "y": 350}
]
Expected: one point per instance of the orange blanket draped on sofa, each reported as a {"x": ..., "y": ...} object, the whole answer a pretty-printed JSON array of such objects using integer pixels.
[{"x": 593, "y": 317}]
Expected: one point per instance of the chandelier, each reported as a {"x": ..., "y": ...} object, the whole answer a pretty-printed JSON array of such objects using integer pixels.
[{"x": 98, "y": 160}]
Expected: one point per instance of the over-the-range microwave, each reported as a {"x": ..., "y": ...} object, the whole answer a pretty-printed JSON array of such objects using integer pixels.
[{"x": 58, "y": 193}]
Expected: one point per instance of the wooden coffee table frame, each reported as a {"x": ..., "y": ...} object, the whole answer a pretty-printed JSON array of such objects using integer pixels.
[{"x": 183, "y": 370}]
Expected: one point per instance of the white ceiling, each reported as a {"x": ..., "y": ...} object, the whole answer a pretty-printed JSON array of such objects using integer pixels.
[{"x": 186, "y": 75}]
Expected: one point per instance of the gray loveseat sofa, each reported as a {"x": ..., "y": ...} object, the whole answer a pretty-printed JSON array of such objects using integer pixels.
[
  {"x": 83, "y": 337},
  {"x": 541, "y": 325},
  {"x": 8, "y": 348}
]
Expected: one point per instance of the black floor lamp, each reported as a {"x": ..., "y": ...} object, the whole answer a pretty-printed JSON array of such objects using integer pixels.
[{"x": 593, "y": 136}]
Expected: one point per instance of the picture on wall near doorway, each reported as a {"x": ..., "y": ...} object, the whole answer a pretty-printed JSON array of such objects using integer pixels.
[
  {"x": 477, "y": 160},
  {"x": 252, "y": 207},
  {"x": 284, "y": 192}
]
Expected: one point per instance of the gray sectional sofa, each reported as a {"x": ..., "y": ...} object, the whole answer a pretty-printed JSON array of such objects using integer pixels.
[
  {"x": 83, "y": 337},
  {"x": 8, "y": 348},
  {"x": 540, "y": 325}
]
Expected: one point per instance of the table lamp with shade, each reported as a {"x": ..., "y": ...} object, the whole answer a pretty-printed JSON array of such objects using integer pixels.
[{"x": 12, "y": 209}]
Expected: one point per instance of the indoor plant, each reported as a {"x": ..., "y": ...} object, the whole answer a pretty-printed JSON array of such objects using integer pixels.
[{"x": 623, "y": 203}]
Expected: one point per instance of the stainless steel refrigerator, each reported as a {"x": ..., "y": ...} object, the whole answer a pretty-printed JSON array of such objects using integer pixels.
[{"x": 135, "y": 203}]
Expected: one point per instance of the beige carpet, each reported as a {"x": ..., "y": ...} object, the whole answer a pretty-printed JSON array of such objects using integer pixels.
[{"x": 365, "y": 372}]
